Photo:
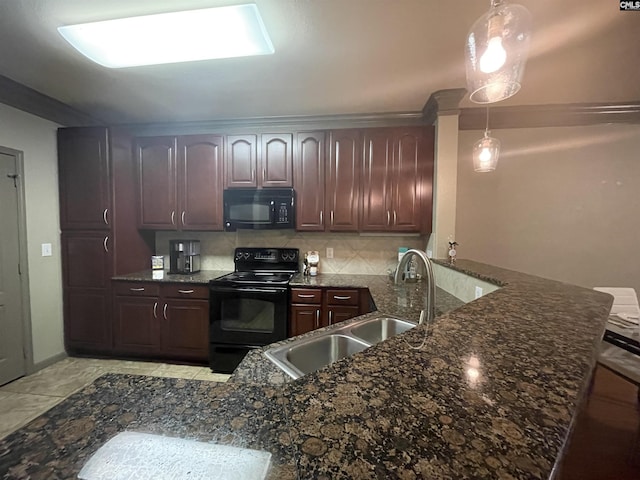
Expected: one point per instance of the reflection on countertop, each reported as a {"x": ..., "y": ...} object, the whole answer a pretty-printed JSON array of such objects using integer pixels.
[{"x": 492, "y": 394}]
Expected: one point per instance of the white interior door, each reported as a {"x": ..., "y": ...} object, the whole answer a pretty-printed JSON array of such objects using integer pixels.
[{"x": 12, "y": 360}]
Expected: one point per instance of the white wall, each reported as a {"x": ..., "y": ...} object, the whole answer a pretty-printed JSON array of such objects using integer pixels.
[
  {"x": 563, "y": 204},
  {"x": 36, "y": 137}
]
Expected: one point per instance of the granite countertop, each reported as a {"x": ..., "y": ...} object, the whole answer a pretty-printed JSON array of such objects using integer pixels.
[
  {"x": 491, "y": 393},
  {"x": 203, "y": 276}
]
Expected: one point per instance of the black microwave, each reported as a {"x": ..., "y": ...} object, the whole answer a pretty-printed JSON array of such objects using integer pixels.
[{"x": 257, "y": 209}]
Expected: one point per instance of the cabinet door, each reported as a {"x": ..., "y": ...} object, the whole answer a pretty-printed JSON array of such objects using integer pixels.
[
  {"x": 408, "y": 164},
  {"x": 185, "y": 329},
  {"x": 339, "y": 314},
  {"x": 240, "y": 161},
  {"x": 87, "y": 260},
  {"x": 309, "y": 181},
  {"x": 304, "y": 318},
  {"x": 156, "y": 165},
  {"x": 200, "y": 182},
  {"x": 343, "y": 180},
  {"x": 276, "y": 160},
  {"x": 378, "y": 167},
  {"x": 136, "y": 325},
  {"x": 84, "y": 179}
]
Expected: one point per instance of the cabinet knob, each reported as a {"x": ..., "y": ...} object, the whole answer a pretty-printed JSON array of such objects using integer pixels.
[
  {"x": 164, "y": 311},
  {"x": 182, "y": 217},
  {"x": 104, "y": 216},
  {"x": 388, "y": 218},
  {"x": 303, "y": 295},
  {"x": 155, "y": 310},
  {"x": 318, "y": 318},
  {"x": 105, "y": 244},
  {"x": 173, "y": 217},
  {"x": 185, "y": 291},
  {"x": 320, "y": 217},
  {"x": 340, "y": 297},
  {"x": 330, "y": 317},
  {"x": 141, "y": 289}
]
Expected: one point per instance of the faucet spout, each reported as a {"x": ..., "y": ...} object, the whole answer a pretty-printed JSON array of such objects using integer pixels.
[{"x": 430, "y": 295}]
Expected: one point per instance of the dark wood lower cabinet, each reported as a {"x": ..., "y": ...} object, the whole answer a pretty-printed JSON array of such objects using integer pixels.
[
  {"x": 87, "y": 327},
  {"x": 313, "y": 308},
  {"x": 304, "y": 318},
  {"x": 161, "y": 321}
]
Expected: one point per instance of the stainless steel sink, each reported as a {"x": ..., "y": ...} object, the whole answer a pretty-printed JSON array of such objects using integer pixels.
[
  {"x": 314, "y": 352},
  {"x": 379, "y": 329}
]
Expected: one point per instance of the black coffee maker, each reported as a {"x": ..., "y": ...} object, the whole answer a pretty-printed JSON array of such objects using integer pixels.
[{"x": 184, "y": 256}]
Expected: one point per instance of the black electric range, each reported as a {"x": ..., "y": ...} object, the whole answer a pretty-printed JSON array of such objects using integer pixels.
[{"x": 249, "y": 308}]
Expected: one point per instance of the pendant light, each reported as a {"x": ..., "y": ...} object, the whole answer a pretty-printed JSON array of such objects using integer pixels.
[
  {"x": 486, "y": 151},
  {"x": 496, "y": 52}
]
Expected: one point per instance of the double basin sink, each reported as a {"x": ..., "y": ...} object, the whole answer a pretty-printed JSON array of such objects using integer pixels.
[{"x": 312, "y": 353}]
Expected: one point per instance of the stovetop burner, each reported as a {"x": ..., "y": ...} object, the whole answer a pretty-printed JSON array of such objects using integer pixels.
[
  {"x": 273, "y": 266},
  {"x": 256, "y": 277}
]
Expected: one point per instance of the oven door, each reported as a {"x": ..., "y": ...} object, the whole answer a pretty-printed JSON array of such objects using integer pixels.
[{"x": 251, "y": 316}]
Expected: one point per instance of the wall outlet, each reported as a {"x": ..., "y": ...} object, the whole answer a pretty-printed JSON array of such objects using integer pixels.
[
  {"x": 329, "y": 252},
  {"x": 46, "y": 250},
  {"x": 478, "y": 292}
]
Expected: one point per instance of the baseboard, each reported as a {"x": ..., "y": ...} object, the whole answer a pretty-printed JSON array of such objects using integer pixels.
[{"x": 36, "y": 367}]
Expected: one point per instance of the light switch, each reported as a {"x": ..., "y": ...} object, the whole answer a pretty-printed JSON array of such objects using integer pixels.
[
  {"x": 329, "y": 252},
  {"x": 46, "y": 249}
]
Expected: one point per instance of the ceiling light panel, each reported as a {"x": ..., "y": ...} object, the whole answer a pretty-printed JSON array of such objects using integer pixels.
[{"x": 235, "y": 31}]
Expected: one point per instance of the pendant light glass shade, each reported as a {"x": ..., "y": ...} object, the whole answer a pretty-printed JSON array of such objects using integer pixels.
[
  {"x": 485, "y": 153},
  {"x": 496, "y": 52}
]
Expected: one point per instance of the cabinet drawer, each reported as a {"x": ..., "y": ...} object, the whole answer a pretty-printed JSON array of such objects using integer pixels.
[
  {"x": 343, "y": 297},
  {"x": 137, "y": 288},
  {"x": 185, "y": 290},
  {"x": 306, "y": 295}
]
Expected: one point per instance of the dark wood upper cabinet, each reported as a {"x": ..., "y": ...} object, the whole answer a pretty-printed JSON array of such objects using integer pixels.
[
  {"x": 270, "y": 165},
  {"x": 344, "y": 170},
  {"x": 378, "y": 167},
  {"x": 156, "y": 165},
  {"x": 180, "y": 181},
  {"x": 276, "y": 160},
  {"x": 398, "y": 172},
  {"x": 407, "y": 186},
  {"x": 241, "y": 156},
  {"x": 309, "y": 181},
  {"x": 84, "y": 179},
  {"x": 200, "y": 182}
]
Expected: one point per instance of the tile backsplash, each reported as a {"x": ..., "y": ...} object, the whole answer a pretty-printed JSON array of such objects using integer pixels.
[{"x": 352, "y": 252}]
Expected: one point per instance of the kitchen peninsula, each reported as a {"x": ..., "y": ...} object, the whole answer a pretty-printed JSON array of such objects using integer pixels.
[{"x": 491, "y": 394}]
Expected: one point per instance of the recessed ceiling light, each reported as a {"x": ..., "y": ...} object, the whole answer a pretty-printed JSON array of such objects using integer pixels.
[{"x": 235, "y": 31}]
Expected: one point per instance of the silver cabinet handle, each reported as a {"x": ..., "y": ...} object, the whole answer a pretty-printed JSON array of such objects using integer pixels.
[
  {"x": 318, "y": 318},
  {"x": 303, "y": 295},
  {"x": 264, "y": 174},
  {"x": 173, "y": 217},
  {"x": 141, "y": 289},
  {"x": 338, "y": 297},
  {"x": 395, "y": 218},
  {"x": 330, "y": 317},
  {"x": 320, "y": 217},
  {"x": 388, "y": 218},
  {"x": 155, "y": 310},
  {"x": 253, "y": 175},
  {"x": 182, "y": 217},
  {"x": 104, "y": 244},
  {"x": 104, "y": 216},
  {"x": 331, "y": 217},
  {"x": 185, "y": 291},
  {"x": 164, "y": 311}
]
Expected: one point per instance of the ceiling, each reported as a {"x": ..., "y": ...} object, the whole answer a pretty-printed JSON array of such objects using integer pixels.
[{"x": 331, "y": 57}]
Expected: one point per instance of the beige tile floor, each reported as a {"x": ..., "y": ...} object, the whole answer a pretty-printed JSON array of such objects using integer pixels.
[{"x": 28, "y": 397}]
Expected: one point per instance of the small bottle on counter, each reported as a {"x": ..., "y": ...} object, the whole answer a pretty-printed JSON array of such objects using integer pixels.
[{"x": 452, "y": 252}]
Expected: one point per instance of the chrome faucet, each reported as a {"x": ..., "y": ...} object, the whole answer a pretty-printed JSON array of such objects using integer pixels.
[{"x": 431, "y": 283}]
